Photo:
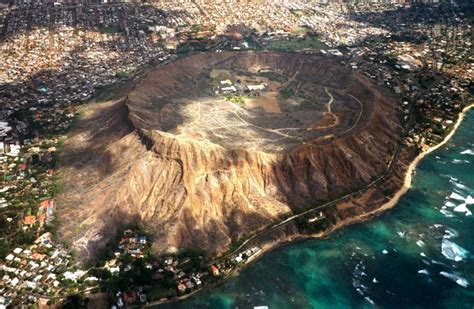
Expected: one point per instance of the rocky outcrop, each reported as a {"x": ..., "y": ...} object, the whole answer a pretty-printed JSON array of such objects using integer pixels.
[{"x": 127, "y": 162}]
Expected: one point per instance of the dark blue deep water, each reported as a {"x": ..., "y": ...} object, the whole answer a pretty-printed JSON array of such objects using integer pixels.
[{"x": 419, "y": 254}]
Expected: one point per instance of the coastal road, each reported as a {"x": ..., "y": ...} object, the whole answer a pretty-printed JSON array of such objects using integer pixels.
[{"x": 319, "y": 207}]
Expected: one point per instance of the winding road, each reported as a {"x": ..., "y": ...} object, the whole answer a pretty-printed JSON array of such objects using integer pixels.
[{"x": 331, "y": 99}]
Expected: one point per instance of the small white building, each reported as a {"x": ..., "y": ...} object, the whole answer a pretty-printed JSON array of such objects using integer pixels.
[
  {"x": 229, "y": 89},
  {"x": 335, "y": 52},
  {"x": 256, "y": 87},
  {"x": 14, "y": 281},
  {"x": 226, "y": 82}
]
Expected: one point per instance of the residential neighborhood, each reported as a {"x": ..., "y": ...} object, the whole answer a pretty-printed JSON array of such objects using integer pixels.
[{"x": 60, "y": 55}]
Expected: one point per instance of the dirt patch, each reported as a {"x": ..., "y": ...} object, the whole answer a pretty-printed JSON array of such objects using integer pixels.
[
  {"x": 219, "y": 73},
  {"x": 327, "y": 121},
  {"x": 268, "y": 101}
]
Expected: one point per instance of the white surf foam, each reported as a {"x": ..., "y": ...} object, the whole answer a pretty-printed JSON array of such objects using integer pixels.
[
  {"x": 456, "y": 196},
  {"x": 461, "y": 186},
  {"x": 450, "y": 233},
  {"x": 449, "y": 204},
  {"x": 453, "y": 251},
  {"x": 367, "y": 298},
  {"x": 457, "y": 161},
  {"x": 468, "y": 152},
  {"x": 456, "y": 278},
  {"x": 446, "y": 213},
  {"x": 469, "y": 200},
  {"x": 463, "y": 208}
]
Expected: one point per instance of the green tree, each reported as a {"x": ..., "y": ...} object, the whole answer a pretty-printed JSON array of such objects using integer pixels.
[
  {"x": 26, "y": 237},
  {"x": 4, "y": 248},
  {"x": 77, "y": 301}
]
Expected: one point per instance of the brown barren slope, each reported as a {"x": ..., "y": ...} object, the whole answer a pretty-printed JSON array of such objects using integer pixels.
[{"x": 131, "y": 160}]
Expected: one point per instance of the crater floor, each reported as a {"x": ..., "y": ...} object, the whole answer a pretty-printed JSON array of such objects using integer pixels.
[{"x": 254, "y": 101}]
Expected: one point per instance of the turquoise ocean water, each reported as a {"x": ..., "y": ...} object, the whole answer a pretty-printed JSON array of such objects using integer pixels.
[{"x": 417, "y": 255}]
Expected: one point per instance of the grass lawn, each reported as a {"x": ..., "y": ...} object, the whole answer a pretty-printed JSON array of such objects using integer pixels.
[
  {"x": 298, "y": 13},
  {"x": 158, "y": 292},
  {"x": 109, "y": 30},
  {"x": 296, "y": 44},
  {"x": 236, "y": 98},
  {"x": 299, "y": 30}
]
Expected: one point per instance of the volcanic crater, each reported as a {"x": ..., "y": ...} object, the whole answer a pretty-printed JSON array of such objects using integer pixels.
[
  {"x": 212, "y": 147},
  {"x": 252, "y": 101}
]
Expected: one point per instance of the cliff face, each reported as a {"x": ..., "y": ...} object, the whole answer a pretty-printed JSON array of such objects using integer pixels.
[{"x": 129, "y": 161}]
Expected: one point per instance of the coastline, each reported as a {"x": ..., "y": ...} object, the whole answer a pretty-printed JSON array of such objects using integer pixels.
[
  {"x": 270, "y": 246},
  {"x": 406, "y": 182},
  {"x": 411, "y": 168},
  {"x": 361, "y": 218}
]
